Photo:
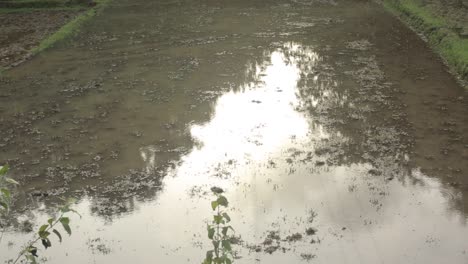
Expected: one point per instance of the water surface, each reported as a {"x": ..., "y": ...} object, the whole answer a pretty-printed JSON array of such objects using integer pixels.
[{"x": 328, "y": 115}]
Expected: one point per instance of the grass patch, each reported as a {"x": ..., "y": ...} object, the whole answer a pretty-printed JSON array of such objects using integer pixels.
[
  {"x": 20, "y": 4},
  {"x": 438, "y": 32},
  {"x": 69, "y": 29},
  {"x": 34, "y": 9}
]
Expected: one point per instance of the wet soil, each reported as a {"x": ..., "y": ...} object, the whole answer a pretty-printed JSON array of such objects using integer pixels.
[
  {"x": 20, "y": 32},
  {"x": 335, "y": 131}
]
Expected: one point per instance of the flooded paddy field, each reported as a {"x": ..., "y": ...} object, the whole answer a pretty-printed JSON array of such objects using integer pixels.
[{"x": 337, "y": 135}]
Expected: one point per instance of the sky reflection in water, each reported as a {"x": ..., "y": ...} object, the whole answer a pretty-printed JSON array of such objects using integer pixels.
[{"x": 263, "y": 152}]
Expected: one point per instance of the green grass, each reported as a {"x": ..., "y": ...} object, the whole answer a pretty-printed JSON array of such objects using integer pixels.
[
  {"x": 66, "y": 31},
  {"x": 34, "y": 9},
  {"x": 437, "y": 30},
  {"x": 69, "y": 29},
  {"x": 24, "y": 4}
]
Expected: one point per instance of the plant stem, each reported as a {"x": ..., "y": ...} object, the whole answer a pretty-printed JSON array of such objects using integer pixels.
[
  {"x": 23, "y": 252},
  {"x": 1, "y": 235},
  {"x": 218, "y": 234}
]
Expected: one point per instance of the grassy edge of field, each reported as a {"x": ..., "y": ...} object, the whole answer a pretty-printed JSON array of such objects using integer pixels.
[
  {"x": 438, "y": 33},
  {"x": 70, "y": 28}
]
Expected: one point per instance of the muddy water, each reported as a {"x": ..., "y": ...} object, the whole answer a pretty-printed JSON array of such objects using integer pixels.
[{"x": 310, "y": 114}]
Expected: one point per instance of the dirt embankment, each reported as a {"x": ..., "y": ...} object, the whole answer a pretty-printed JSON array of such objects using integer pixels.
[
  {"x": 454, "y": 12},
  {"x": 30, "y": 26},
  {"x": 443, "y": 23},
  {"x": 20, "y": 32}
]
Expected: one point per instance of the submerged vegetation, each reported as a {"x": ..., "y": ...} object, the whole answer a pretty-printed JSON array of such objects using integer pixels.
[{"x": 438, "y": 31}]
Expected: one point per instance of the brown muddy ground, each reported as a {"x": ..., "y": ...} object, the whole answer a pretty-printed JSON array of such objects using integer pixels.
[
  {"x": 337, "y": 134},
  {"x": 20, "y": 32}
]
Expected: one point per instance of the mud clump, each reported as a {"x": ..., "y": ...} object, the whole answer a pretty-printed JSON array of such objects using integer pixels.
[
  {"x": 294, "y": 237},
  {"x": 311, "y": 231},
  {"x": 97, "y": 246},
  {"x": 75, "y": 89},
  {"x": 271, "y": 237},
  {"x": 307, "y": 256},
  {"x": 361, "y": 45}
]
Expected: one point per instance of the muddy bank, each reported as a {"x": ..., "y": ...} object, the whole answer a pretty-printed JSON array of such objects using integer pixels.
[
  {"x": 443, "y": 24},
  {"x": 20, "y": 32}
]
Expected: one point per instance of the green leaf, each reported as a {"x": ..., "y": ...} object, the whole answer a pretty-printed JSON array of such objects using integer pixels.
[
  {"x": 4, "y": 205},
  {"x": 218, "y": 219},
  {"x": 74, "y": 211},
  {"x": 226, "y": 216},
  {"x": 65, "y": 209},
  {"x": 4, "y": 169},
  {"x": 214, "y": 204},
  {"x": 65, "y": 223},
  {"x": 67, "y": 229},
  {"x": 228, "y": 261},
  {"x": 10, "y": 180},
  {"x": 6, "y": 193},
  {"x": 211, "y": 232},
  {"x": 224, "y": 231},
  {"x": 46, "y": 243},
  {"x": 226, "y": 244},
  {"x": 43, "y": 228},
  {"x": 58, "y": 234},
  {"x": 32, "y": 250},
  {"x": 31, "y": 259},
  {"x": 43, "y": 234},
  {"x": 216, "y": 246},
  {"x": 51, "y": 221},
  {"x": 65, "y": 220},
  {"x": 222, "y": 201},
  {"x": 209, "y": 256}
]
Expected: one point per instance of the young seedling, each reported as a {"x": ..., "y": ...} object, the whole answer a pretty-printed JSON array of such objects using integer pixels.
[
  {"x": 5, "y": 195},
  {"x": 218, "y": 231},
  {"x": 29, "y": 252},
  {"x": 5, "y": 192}
]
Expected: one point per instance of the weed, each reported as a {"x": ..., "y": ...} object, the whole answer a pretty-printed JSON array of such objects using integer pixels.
[
  {"x": 5, "y": 192},
  {"x": 448, "y": 44},
  {"x": 29, "y": 252},
  {"x": 218, "y": 231}
]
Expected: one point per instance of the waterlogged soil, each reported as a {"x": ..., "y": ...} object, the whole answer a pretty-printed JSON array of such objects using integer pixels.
[
  {"x": 337, "y": 135},
  {"x": 22, "y": 31}
]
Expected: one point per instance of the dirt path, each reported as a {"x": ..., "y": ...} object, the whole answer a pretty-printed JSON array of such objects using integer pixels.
[{"x": 328, "y": 115}]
